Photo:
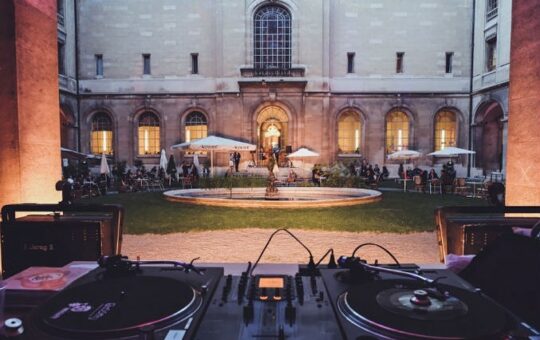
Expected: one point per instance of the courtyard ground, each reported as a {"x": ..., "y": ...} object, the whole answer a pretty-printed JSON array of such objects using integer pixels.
[{"x": 402, "y": 222}]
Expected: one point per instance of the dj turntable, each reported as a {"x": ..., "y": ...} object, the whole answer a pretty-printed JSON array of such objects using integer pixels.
[
  {"x": 385, "y": 303},
  {"x": 127, "y": 301}
]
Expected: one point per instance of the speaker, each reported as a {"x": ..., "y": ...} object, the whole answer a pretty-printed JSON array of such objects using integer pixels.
[
  {"x": 468, "y": 230},
  {"x": 55, "y": 240},
  {"x": 288, "y": 149}
]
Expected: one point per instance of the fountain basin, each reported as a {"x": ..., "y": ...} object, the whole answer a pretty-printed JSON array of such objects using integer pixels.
[{"x": 287, "y": 197}]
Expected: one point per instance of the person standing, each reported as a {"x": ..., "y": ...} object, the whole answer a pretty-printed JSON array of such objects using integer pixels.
[
  {"x": 231, "y": 161},
  {"x": 236, "y": 157}
]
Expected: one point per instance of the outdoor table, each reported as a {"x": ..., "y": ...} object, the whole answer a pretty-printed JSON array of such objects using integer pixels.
[
  {"x": 404, "y": 180},
  {"x": 431, "y": 185},
  {"x": 474, "y": 184},
  {"x": 143, "y": 182}
]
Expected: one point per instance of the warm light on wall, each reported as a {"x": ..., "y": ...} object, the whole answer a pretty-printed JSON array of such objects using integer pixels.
[
  {"x": 146, "y": 140},
  {"x": 188, "y": 135},
  {"x": 356, "y": 139},
  {"x": 104, "y": 149},
  {"x": 443, "y": 139},
  {"x": 399, "y": 141}
]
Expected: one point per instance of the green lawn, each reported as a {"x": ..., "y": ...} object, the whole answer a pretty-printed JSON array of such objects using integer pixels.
[{"x": 397, "y": 212}]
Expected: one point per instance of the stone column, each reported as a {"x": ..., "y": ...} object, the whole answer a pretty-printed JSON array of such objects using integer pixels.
[
  {"x": 29, "y": 104},
  {"x": 523, "y": 163}
]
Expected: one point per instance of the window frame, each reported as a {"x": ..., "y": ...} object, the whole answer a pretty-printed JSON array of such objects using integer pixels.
[
  {"x": 449, "y": 63},
  {"x": 194, "y": 63},
  {"x": 99, "y": 65},
  {"x": 405, "y": 140},
  {"x": 400, "y": 58},
  {"x": 491, "y": 53},
  {"x": 265, "y": 56},
  {"x": 152, "y": 120},
  {"x": 195, "y": 118},
  {"x": 350, "y": 62},
  {"x": 101, "y": 126},
  {"x": 492, "y": 8},
  {"x": 436, "y": 128},
  {"x": 354, "y": 138},
  {"x": 147, "y": 64}
]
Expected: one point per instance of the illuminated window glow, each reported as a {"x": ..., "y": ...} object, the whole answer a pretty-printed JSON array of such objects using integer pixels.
[
  {"x": 196, "y": 127},
  {"x": 349, "y": 133},
  {"x": 397, "y": 131},
  {"x": 101, "y": 136},
  {"x": 149, "y": 134},
  {"x": 445, "y": 130}
]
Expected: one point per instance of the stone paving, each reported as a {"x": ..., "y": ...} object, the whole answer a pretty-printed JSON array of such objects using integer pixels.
[{"x": 242, "y": 245}]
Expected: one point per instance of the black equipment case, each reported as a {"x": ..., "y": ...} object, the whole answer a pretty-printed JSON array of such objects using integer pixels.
[{"x": 73, "y": 232}]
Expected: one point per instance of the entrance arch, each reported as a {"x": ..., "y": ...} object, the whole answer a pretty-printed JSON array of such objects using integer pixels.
[
  {"x": 272, "y": 130},
  {"x": 488, "y": 136}
]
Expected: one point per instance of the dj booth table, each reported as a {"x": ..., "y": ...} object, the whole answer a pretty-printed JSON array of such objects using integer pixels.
[{"x": 278, "y": 301}]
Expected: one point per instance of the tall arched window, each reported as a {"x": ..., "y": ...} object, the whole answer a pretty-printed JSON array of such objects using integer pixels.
[
  {"x": 349, "y": 132},
  {"x": 101, "y": 140},
  {"x": 397, "y": 131},
  {"x": 149, "y": 136},
  {"x": 272, "y": 38},
  {"x": 196, "y": 126},
  {"x": 445, "y": 130}
]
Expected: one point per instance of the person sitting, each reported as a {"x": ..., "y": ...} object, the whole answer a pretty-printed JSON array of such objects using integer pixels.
[
  {"x": 401, "y": 171},
  {"x": 385, "y": 173},
  {"x": 432, "y": 175},
  {"x": 370, "y": 176},
  {"x": 416, "y": 171},
  {"x": 292, "y": 177},
  {"x": 377, "y": 170}
]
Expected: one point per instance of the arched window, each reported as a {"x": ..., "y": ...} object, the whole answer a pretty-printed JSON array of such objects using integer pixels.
[
  {"x": 272, "y": 38},
  {"x": 101, "y": 140},
  {"x": 349, "y": 133},
  {"x": 445, "y": 130},
  {"x": 196, "y": 126},
  {"x": 397, "y": 131},
  {"x": 148, "y": 132}
]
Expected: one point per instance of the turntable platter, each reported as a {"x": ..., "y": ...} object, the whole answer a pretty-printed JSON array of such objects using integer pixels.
[
  {"x": 106, "y": 307},
  {"x": 402, "y": 308}
]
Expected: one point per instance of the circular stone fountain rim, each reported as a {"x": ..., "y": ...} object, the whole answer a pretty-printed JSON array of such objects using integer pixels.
[{"x": 368, "y": 196}]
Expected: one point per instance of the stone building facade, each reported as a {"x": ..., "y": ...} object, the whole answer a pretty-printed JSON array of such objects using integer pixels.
[
  {"x": 491, "y": 74},
  {"x": 343, "y": 78}
]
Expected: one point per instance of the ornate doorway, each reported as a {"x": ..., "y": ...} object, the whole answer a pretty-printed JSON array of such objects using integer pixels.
[{"x": 272, "y": 133}]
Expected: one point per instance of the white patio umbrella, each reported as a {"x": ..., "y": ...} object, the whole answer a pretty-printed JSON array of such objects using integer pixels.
[
  {"x": 215, "y": 144},
  {"x": 451, "y": 152},
  {"x": 303, "y": 153},
  {"x": 104, "y": 166},
  {"x": 163, "y": 160},
  {"x": 405, "y": 154}
]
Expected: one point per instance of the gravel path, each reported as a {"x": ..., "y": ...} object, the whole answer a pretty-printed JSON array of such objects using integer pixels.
[{"x": 242, "y": 245}]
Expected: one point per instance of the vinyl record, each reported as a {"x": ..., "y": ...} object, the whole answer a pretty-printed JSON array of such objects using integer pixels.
[
  {"x": 117, "y": 306},
  {"x": 390, "y": 308}
]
